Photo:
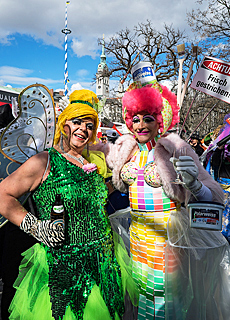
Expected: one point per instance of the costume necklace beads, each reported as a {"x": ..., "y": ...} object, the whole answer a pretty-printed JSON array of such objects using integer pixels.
[{"x": 80, "y": 159}]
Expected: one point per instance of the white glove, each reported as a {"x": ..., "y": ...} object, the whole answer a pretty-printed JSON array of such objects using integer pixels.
[
  {"x": 50, "y": 233},
  {"x": 188, "y": 170}
]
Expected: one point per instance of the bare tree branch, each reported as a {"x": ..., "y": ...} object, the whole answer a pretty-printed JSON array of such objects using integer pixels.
[
  {"x": 212, "y": 26},
  {"x": 157, "y": 47}
]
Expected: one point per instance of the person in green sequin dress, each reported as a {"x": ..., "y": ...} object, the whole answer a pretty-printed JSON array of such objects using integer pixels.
[{"x": 76, "y": 272}]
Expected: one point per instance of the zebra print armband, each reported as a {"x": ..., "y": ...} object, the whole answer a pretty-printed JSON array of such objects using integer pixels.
[{"x": 47, "y": 232}]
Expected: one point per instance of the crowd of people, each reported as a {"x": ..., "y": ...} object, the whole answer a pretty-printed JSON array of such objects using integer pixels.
[{"x": 78, "y": 265}]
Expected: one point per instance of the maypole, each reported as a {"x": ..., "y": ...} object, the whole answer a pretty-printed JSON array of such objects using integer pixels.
[{"x": 66, "y": 31}]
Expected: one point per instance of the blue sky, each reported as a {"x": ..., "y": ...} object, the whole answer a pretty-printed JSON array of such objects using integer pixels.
[
  {"x": 27, "y": 60},
  {"x": 32, "y": 45}
]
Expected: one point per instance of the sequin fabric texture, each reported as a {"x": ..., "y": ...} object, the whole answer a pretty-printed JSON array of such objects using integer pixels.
[
  {"x": 150, "y": 210},
  {"x": 87, "y": 255}
]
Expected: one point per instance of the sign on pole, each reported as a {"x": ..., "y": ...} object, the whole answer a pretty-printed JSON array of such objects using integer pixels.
[{"x": 213, "y": 78}]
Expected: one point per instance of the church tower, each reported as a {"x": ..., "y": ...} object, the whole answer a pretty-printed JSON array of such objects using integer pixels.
[
  {"x": 121, "y": 90},
  {"x": 102, "y": 76}
]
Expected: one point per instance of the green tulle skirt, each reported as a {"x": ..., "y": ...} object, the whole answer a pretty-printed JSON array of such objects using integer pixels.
[{"x": 32, "y": 299}]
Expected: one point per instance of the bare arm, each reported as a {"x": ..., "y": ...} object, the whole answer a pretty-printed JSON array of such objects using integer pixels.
[{"x": 25, "y": 179}]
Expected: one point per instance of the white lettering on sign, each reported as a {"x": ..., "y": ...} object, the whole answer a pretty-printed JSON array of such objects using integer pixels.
[{"x": 213, "y": 78}]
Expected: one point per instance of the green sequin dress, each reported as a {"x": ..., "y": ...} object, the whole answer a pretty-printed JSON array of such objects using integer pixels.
[{"x": 81, "y": 278}]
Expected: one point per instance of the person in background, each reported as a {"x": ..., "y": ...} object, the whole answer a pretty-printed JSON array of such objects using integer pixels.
[
  {"x": 72, "y": 273},
  {"x": 195, "y": 143},
  {"x": 218, "y": 164},
  {"x": 104, "y": 138}
]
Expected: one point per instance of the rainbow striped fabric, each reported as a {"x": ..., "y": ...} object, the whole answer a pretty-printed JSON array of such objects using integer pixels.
[{"x": 150, "y": 210}]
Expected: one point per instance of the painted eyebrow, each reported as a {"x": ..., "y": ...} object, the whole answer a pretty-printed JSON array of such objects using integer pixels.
[
  {"x": 75, "y": 119},
  {"x": 149, "y": 116},
  {"x": 81, "y": 119}
]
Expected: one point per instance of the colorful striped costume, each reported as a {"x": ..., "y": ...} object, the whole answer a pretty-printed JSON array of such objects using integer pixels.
[
  {"x": 150, "y": 210},
  {"x": 182, "y": 272}
]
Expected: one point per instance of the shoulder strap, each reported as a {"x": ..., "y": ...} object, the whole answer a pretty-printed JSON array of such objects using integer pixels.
[{"x": 47, "y": 165}]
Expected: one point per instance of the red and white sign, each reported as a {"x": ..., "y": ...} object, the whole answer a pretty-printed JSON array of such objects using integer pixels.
[
  {"x": 213, "y": 78},
  {"x": 6, "y": 96}
]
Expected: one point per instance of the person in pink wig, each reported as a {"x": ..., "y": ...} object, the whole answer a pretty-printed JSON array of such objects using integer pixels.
[{"x": 172, "y": 263}]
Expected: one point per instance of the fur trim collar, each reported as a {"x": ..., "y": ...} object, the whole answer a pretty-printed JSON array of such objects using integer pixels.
[{"x": 166, "y": 147}]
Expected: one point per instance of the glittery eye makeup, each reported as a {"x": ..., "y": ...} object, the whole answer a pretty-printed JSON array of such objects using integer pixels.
[
  {"x": 78, "y": 121},
  {"x": 148, "y": 118},
  {"x": 136, "y": 119},
  {"x": 90, "y": 126}
]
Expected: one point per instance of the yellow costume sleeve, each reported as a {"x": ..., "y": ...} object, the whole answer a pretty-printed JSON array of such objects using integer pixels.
[{"x": 98, "y": 158}]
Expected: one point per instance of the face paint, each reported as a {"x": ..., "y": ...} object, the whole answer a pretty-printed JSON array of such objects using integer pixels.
[
  {"x": 147, "y": 119},
  {"x": 145, "y": 127},
  {"x": 79, "y": 132},
  {"x": 79, "y": 121}
]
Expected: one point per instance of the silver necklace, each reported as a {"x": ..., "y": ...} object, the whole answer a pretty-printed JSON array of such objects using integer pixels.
[{"x": 80, "y": 159}]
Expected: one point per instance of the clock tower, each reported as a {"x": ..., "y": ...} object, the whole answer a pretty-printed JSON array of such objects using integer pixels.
[{"x": 102, "y": 76}]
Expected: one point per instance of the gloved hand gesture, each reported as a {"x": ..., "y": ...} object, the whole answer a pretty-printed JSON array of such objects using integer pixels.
[
  {"x": 51, "y": 233},
  {"x": 188, "y": 170}
]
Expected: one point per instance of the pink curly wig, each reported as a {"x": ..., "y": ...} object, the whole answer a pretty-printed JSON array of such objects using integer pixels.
[{"x": 150, "y": 100}]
